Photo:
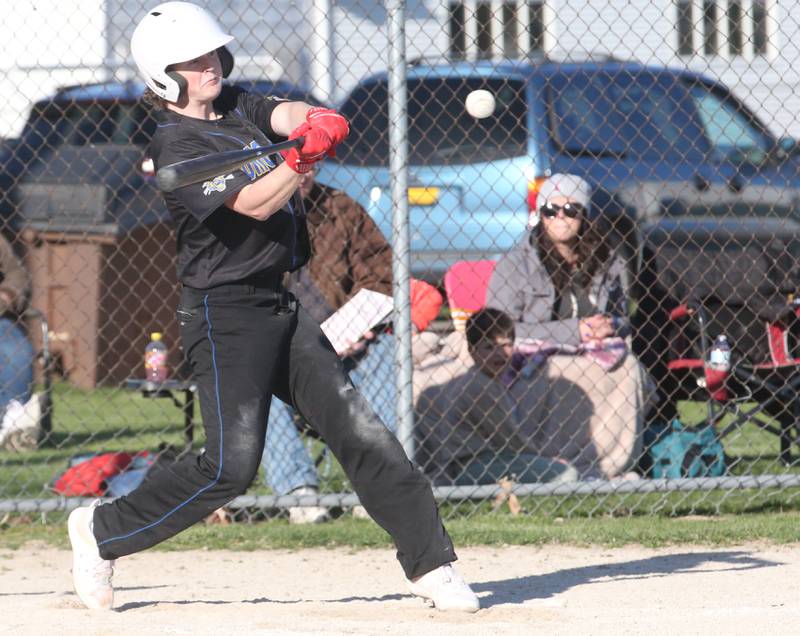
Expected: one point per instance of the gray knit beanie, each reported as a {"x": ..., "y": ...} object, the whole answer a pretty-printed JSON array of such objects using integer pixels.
[{"x": 566, "y": 185}]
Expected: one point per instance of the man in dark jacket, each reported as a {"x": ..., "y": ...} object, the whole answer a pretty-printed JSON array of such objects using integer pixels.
[{"x": 348, "y": 253}]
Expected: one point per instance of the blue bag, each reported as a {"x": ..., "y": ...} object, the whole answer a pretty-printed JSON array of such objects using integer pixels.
[{"x": 687, "y": 452}]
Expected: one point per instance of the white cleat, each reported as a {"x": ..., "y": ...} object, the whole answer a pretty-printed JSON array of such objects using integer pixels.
[
  {"x": 91, "y": 575},
  {"x": 446, "y": 590}
]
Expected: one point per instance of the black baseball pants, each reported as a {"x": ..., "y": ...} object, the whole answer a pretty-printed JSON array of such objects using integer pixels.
[{"x": 245, "y": 343}]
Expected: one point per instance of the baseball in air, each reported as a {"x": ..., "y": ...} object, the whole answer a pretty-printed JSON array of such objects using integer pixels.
[{"x": 480, "y": 104}]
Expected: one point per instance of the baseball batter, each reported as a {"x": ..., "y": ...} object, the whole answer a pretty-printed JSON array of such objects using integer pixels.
[{"x": 245, "y": 336}]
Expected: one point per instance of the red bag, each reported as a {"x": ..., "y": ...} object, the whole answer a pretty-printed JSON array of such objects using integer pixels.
[{"x": 89, "y": 477}]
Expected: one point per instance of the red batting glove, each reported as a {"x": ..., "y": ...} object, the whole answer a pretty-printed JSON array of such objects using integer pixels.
[
  {"x": 332, "y": 123},
  {"x": 316, "y": 144}
]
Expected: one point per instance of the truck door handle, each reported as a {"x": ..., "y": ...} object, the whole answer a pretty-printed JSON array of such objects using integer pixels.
[
  {"x": 701, "y": 183},
  {"x": 735, "y": 184}
]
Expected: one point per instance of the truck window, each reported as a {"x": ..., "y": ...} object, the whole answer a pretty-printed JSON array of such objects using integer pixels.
[
  {"x": 620, "y": 114},
  {"x": 439, "y": 129},
  {"x": 732, "y": 132}
]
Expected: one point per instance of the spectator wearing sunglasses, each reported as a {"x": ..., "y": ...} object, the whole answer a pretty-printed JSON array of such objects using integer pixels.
[{"x": 566, "y": 289}]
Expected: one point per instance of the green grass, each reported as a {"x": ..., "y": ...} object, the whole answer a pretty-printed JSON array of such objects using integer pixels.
[
  {"x": 85, "y": 422},
  {"x": 497, "y": 529},
  {"x": 750, "y": 450},
  {"x": 102, "y": 420},
  {"x": 115, "y": 419}
]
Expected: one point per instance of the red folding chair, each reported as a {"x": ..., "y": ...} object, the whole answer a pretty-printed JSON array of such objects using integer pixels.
[
  {"x": 733, "y": 277},
  {"x": 772, "y": 386},
  {"x": 465, "y": 285}
]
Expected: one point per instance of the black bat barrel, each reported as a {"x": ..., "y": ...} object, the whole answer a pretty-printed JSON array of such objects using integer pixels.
[{"x": 182, "y": 173}]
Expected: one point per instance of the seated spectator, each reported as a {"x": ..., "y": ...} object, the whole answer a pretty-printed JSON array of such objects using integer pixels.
[
  {"x": 349, "y": 253},
  {"x": 19, "y": 409},
  {"x": 566, "y": 289},
  {"x": 486, "y": 424}
]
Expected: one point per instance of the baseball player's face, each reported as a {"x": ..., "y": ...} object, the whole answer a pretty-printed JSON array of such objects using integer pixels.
[{"x": 203, "y": 76}]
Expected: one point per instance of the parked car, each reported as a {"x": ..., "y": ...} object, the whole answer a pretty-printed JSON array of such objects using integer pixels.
[
  {"x": 653, "y": 140},
  {"x": 80, "y": 162}
]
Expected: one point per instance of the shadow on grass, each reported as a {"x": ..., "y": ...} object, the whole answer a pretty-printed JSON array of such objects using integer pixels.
[
  {"x": 60, "y": 445},
  {"x": 769, "y": 459},
  {"x": 764, "y": 507},
  {"x": 754, "y": 465},
  {"x": 541, "y": 586},
  {"x": 60, "y": 439}
]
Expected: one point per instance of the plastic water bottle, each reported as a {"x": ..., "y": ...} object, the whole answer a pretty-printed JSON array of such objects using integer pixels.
[
  {"x": 155, "y": 358},
  {"x": 719, "y": 358}
]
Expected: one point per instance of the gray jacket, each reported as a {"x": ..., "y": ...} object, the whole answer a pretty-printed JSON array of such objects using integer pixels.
[{"x": 522, "y": 288}]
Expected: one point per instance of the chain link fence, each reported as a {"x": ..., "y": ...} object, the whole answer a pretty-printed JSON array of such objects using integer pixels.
[{"x": 565, "y": 346}]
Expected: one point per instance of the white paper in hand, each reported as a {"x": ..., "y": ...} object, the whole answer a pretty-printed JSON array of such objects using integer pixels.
[{"x": 357, "y": 316}]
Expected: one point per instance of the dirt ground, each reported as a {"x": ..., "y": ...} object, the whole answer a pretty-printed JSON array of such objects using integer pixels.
[{"x": 750, "y": 589}]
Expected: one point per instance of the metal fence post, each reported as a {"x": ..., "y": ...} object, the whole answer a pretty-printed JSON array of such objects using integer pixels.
[{"x": 398, "y": 163}]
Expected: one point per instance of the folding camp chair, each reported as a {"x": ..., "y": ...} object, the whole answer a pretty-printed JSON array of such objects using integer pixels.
[
  {"x": 736, "y": 278},
  {"x": 772, "y": 385}
]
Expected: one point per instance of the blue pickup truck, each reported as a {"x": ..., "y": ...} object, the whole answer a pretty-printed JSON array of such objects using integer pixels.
[{"x": 652, "y": 141}]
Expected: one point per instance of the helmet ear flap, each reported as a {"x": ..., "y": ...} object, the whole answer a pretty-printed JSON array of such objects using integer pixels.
[
  {"x": 226, "y": 58},
  {"x": 179, "y": 79}
]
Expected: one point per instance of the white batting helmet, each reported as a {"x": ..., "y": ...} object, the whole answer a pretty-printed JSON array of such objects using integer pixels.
[{"x": 176, "y": 32}]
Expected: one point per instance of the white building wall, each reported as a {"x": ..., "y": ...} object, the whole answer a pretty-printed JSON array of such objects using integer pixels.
[
  {"x": 770, "y": 86},
  {"x": 645, "y": 30},
  {"x": 52, "y": 43},
  {"x": 48, "y": 43},
  {"x": 362, "y": 46}
]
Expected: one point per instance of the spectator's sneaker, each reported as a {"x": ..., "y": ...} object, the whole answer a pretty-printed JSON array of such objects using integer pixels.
[
  {"x": 307, "y": 514},
  {"x": 91, "y": 575},
  {"x": 445, "y": 589},
  {"x": 360, "y": 512},
  {"x": 32, "y": 411},
  {"x": 20, "y": 427}
]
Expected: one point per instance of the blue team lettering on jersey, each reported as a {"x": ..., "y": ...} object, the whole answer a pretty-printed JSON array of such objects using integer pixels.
[{"x": 258, "y": 167}]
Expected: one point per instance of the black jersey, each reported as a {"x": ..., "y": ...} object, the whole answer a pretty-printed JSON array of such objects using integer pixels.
[{"x": 215, "y": 244}]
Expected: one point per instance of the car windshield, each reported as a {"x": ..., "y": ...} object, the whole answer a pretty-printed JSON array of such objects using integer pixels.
[
  {"x": 639, "y": 116},
  {"x": 440, "y": 130},
  {"x": 80, "y": 124},
  {"x": 733, "y": 133},
  {"x": 86, "y": 122}
]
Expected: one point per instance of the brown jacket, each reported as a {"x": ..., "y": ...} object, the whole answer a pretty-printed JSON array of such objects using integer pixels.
[
  {"x": 14, "y": 281},
  {"x": 348, "y": 251}
]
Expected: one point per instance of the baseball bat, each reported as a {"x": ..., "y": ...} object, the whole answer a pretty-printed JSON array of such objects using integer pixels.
[{"x": 181, "y": 173}]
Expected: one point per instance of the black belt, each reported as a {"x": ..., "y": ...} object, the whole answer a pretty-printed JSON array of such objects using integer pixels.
[{"x": 262, "y": 281}]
